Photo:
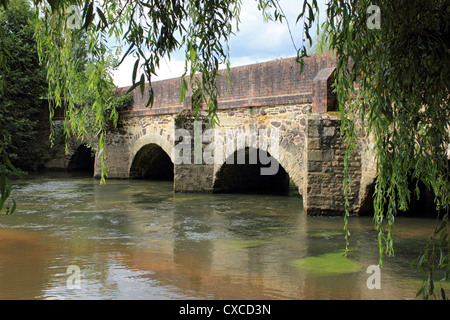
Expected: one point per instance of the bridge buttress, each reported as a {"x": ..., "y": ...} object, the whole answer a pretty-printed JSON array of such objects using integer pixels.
[{"x": 325, "y": 168}]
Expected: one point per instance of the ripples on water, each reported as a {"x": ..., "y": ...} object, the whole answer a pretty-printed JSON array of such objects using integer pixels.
[{"x": 135, "y": 239}]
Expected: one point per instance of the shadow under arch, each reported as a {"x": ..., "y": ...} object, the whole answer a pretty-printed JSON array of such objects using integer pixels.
[
  {"x": 83, "y": 159},
  {"x": 152, "y": 162},
  {"x": 423, "y": 206},
  {"x": 236, "y": 176}
]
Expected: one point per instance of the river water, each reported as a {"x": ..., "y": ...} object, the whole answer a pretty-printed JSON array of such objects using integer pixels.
[{"x": 136, "y": 239}]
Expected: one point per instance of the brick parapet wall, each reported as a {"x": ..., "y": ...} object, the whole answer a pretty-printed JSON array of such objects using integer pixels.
[{"x": 272, "y": 83}]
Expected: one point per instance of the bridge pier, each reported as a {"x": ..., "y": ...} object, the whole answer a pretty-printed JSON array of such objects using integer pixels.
[
  {"x": 191, "y": 172},
  {"x": 325, "y": 169}
]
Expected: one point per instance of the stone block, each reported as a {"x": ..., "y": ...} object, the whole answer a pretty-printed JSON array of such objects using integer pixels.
[
  {"x": 314, "y": 143},
  {"x": 193, "y": 178},
  {"x": 314, "y": 166},
  {"x": 329, "y": 131},
  {"x": 327, "y": 155},
  {"x": 314, "y": 189},
  {"x": 315, "y": 155}
]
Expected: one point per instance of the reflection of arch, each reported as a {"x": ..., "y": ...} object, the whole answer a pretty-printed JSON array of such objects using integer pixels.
[
  {"x": 82, "y": 159},
  {"x": 245, "y": 176},
  {"x": 151, "y": 162}
]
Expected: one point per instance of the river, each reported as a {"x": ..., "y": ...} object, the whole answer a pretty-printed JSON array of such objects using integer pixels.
[{"x": 72, "y": 238}]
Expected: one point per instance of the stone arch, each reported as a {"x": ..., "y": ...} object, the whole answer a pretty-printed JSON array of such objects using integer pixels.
[
  {"x": 366, "y": 197},
  {"x": 151, "y": 157},
  {"x": 424, "y": 206},
  {"x": 291, "y": 158},
  {"x": 240, "y": 174},
  {"x": 288, "y": 156},
  {"x": 81, "y": 158}
]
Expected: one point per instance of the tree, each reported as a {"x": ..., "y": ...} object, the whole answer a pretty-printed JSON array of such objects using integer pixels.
[
  {"x": 392, "y": 79},
  {"x": 25, "y": 86},
  {"x": 24, "y": 90}
]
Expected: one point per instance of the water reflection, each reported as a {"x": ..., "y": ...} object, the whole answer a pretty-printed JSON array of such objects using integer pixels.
[{"x": 138, "y": 240}]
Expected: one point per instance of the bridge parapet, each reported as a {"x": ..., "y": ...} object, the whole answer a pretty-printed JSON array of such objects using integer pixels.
[{"x": 270, "y": 83}]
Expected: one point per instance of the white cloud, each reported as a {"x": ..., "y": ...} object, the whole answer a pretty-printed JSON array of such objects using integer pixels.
[
  {"x": 122, "y": 76},
  {"x": 168, "y": 69},
  {"x": 258, "y": 39}
]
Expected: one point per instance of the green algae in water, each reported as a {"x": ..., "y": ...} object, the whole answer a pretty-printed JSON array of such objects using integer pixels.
[{"x": 327, "y": 264}]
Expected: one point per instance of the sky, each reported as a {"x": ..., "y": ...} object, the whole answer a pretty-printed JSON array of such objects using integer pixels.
[{"x": 256, "y": 41}]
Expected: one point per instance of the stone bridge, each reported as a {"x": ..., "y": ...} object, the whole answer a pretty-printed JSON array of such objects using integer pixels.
[{"x": 270, "y": 114}]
